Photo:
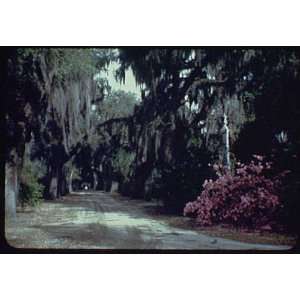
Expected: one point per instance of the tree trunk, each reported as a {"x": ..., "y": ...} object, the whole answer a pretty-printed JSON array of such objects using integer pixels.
[
  {"x": 227, "y": 142},
  {"x": 11, "y": 190},
  {"x": 95, "y": 183},
  {"x": 53, "y": 188},
  {"x": 53, "y": 184},
  {"x": 70, "y": 181}
]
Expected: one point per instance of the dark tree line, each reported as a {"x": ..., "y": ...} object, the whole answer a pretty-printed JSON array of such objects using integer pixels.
[
  {"x": 48, "y": 93},
  {"x": 192, "y": 99}
]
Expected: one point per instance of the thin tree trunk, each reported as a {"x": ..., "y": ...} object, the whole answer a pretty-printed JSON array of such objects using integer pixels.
[
  {"x": 70, "y": 182},
  {"x": 53, "y": 186},
  {"x": 95, "y": 183},
  {"x": 227, "y": 142}
]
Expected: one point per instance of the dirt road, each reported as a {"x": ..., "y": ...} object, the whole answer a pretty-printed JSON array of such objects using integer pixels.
[{"x": 97, "y": 220}]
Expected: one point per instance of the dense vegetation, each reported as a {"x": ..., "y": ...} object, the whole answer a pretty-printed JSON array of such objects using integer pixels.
[
  {"x": 31, "y": 191},
  {"x": 249, "y": 197},
  {"x": 218, "y": 106},
  {"x": 48, "y": 96},
  {"x": 199, "y": 108}
]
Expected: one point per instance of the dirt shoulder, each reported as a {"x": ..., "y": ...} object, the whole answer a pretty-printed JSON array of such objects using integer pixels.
[
  {"x": 219, "y": 231},
  {"x": 246, "y": 236}
]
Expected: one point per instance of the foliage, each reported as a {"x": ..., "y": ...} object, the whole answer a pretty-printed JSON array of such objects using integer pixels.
[
  {"x": 178, "y": 181},
  {"x": 247, "y": 198},
  {"x": 265, "y": 80},
  {"x": 122, "y": 162},
  {"x": 117, "y": 104},
  {"x": 77, "y": 62},
  {"x": 176, "y": 73},
  {"x": 150, "y": 64},
  {"x": 68, "y": 62},
  {"x": 31, "y": 191},
  {"x": 83, "y": 160}
]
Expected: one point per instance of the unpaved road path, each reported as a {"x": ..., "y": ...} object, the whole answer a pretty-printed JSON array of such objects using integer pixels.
[{"x": 97, "y": 220}]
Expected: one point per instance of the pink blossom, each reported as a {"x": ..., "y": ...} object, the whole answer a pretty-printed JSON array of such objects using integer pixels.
[{"x": 246, "y": 198}]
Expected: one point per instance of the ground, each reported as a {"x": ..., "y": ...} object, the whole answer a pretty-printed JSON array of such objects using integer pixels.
[{"x": 99, "y": 220}]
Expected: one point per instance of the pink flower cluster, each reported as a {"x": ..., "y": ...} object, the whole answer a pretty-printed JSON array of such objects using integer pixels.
[{"x": 247, "y": 198}]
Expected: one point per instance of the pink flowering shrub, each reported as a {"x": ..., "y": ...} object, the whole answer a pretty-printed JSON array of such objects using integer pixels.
[{"x": 247, "y": 198}]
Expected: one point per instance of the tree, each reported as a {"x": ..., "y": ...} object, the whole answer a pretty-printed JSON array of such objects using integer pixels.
[
  {"x": 47, "y": 87},
  {"x": 264, "y": 81},
  {"x": 116, "y": 104}
]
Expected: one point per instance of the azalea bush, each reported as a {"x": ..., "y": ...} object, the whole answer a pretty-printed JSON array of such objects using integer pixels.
[{"x": 247, "y": 197}]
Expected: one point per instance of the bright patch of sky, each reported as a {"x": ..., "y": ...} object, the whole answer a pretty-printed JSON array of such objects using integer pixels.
[{"x": 130, "y": 84}]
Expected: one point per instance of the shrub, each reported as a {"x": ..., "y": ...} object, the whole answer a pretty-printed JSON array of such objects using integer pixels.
[
  {"x": 31, "y": 192},
  {"x": 122, "y": 162},
  {"x": 247, "y": 198}
]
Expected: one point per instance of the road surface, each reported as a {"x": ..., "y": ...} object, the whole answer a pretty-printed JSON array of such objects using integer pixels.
[{"x": 98, "y": 220}]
